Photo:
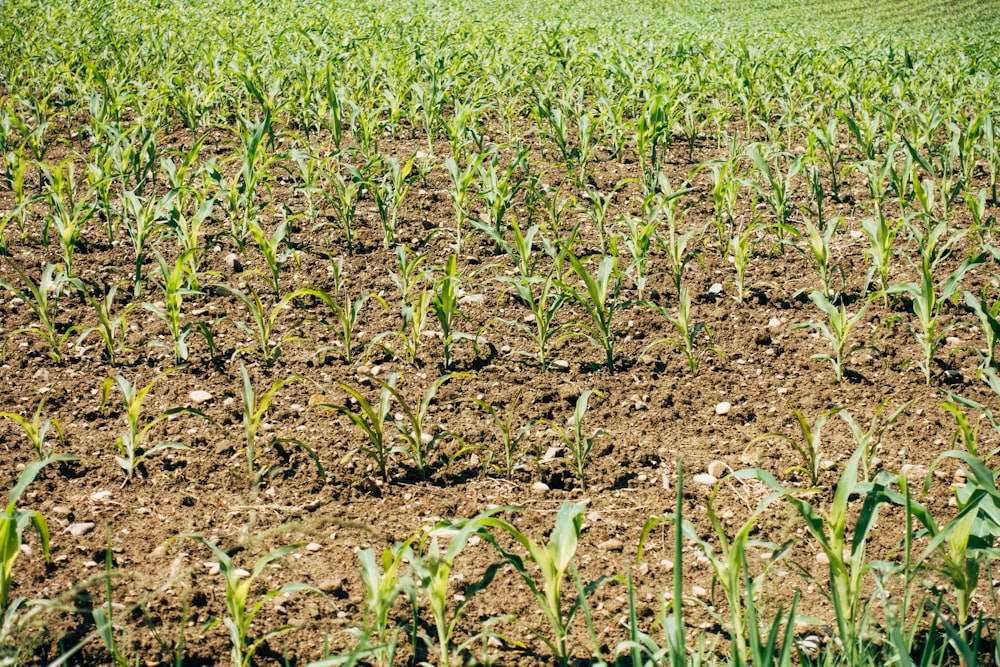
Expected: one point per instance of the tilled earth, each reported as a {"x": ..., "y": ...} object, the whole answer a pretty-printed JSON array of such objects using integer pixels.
[{"x": 653, "y": 413}]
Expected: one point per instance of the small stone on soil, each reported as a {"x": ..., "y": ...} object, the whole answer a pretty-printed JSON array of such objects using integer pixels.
[
  {"x": 723, "y": 408},
  {"x": 199, "y": 396},
  {"x": 78, "y": 529},
  {"x": 717, "y": 468},
  {"x": 540, "y": 487},
  {"x": 705, "y": 478},
  {"x": 614, "y": 544}
]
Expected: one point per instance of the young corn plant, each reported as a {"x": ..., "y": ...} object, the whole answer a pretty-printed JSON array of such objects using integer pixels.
[
  {"x": 544, "y": 332},
  {"x": 241, "y": 611},
  {"x": 461, "y": 193},
  {"x": 779, "y": 185},
  {"x": 546, "y": 569},
  {"x": 13, "y": 523},
  {"x": 143, "y": 222},
  {"x": 846, "y": 556},
  {"x": 343, "y": 198},
  {"x": 175, "y": 285},
  {"x": 413, "y": 430},
  {"x": 510, "y": 438},
  {"x": 346, "y": 315},
  {"x": 638, "y": 241},
  {"x": 578, "y": 444},
  {"x": 42, "y": 297},
  {"x": 36, "y": 430},
  {"x": 823, "y": 143},
  {"x": 687, "y": 332},
  {"x": 274, "y": 257},
  {"x": 600, "y": 301},
  {"x": 499, "y": 190},
  {"x": 381, "y": 590},
  {"x": 255, "y": 409},
  {"x": 444, "y": 303},
  {"x": 741, "y": 247},
  {"x": 70, "y": 210},
  {"x": 370, "y": 421},
  {"x": 389, "y": 194},
  {"x": 989, "y": 325},
  {"x": 957, "y": 550},
  {"x": 881, "y": 233},
  {"x": 819, "y": 251},
  {"x": 837, "y": 331},
  {"x": 112, "y": 326},
  {"x": 809, "y": 449},
  {"x": 928, "y": 298},
  {"x": 870, "y": 441},
  {"x": 261, "y": 327},
  {"x": 730, "y": 569},
  {"x": 431, "y": 568},
  {"x": 675, "y": 653},
  {"x": 725, "y": 194},
  {"x": 132, "y": 446},
  {"x": 673, "y": 243}
]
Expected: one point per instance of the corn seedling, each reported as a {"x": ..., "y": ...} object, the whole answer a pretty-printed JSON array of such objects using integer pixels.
[
  {"x": 687, "y": 332},
  {"x": 870, "y": 441},
  {"x": 444, "y": 303},
  {"x": 600, "y": 301},
  {"x": 510, "y": 439},
  {"x": 381, "y": 590},
  {"x": 543, "y": 302},
  {"x": 255, "y": 408},
  {"x": 241, "y": 611},
  {"x": 13, "y": 523},
  {"x": 675, "y": 652},
  {"x": 370, "y": 421},
  {"x": 346, "y": 315},
  {"x": 575, "y": 441},
  {"x": 261, "y": 327},
  {"x": 778, "y": 171},
  {"x": 836, "y": 331},
  {"x": 343, "y": 197},
  {"x": 70, "y": 209},
  {"x": 43, "y": 298},
  {"x": 431, "y": 568},
  {"x": 274, "y": 258},
  {"x": 881, "y": 233},
  {"x": 809, "y": 448},
  {"x": 175, "y": 286},
  {"x": 389, "y": 194},
  {"x": 461, "y": 192},
  {"x": 36, "y": 431},
  {"x": 824, "y": 144},
  {"x": 927, "y": 300},
  {"x": 142, "y": 220},
  {"x": 819, "y": 251},
  {"x": 132, "y": 448},
  {"x": 554, "y": 561},
  {"x": 989, "y": 326},
  {"x": 413, "y": 430},
  {"x": 846, "y": 557},
  {"x": 725, "y": 193},
  {"x": 112, "y": 326},
  {"x": 729, "y": 569},
  {"x": 673, "y": 243},
  {"x": 499, "y": 190}
]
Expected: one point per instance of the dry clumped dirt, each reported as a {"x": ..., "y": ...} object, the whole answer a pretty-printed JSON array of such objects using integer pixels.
[{"x": 653, "y": 411}]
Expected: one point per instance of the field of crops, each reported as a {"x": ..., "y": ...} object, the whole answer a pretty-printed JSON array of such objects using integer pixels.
[{"x": 505, "y": 333}]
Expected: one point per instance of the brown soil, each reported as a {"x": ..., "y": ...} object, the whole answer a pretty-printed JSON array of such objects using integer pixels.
[{"x": 654, "y": 413}]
